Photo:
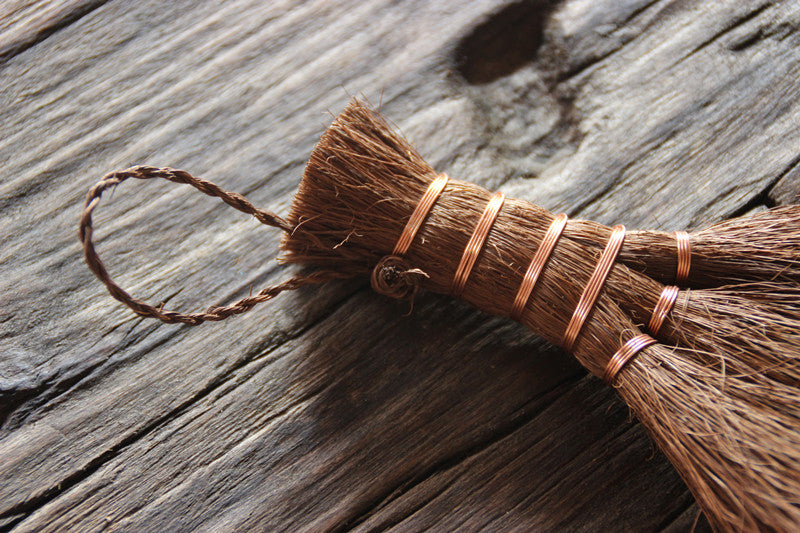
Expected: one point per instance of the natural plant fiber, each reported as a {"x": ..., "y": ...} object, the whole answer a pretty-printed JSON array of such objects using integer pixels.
[
  {"x": 233, "y": 199},
  {"x": 718, "y": 392},
  {"x": 719, "y": 386}
]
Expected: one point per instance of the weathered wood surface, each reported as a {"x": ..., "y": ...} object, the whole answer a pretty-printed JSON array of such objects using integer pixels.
[{"x": 329, "y": 409}]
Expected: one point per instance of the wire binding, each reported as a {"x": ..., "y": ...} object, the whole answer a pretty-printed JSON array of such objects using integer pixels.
[
  {"x": 475, "y": 243},
  {"x": 624, "y": 355},
  {"x": 594, "y": 286},
  {"x": 684, "y": 256},
  {"x": 662, "y": 308},
  {"x": 420, "y": 213},
  {"x": 537, "y": 265}
]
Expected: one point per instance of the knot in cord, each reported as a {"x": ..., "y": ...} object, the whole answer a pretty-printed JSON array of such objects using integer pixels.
[{"x": 393, "y": 277}]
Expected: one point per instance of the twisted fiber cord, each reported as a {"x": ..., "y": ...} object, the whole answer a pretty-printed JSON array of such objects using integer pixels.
[{"x": 234, "y": 200}]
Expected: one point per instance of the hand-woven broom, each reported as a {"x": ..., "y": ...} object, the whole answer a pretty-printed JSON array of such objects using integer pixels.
[{"x": 712, "y": 372}]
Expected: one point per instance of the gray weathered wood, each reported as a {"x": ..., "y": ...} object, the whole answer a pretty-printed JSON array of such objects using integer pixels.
[
  {"x": 23, "y": 23},
  {"x": 329, "y": 409}
]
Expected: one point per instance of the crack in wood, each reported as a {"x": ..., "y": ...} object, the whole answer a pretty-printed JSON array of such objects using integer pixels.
[
  {"x": 760, "y": 198},
  {"x": 675, "y": 521},
  {"x": 305, "y": 397},
  {"x": 23, "y": 510},
  {"x": 38, "y": 28},
  {"x": 736, "y": 22},
  {"x": 576, "y": 70},
  {"x": 638, "y": 11}
]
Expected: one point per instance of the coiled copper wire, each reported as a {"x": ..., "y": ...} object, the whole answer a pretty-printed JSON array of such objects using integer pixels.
[
  {"x": 420, "y": 213},
  {"x": 625, "y": 354},
  {"x": 593, "y": 287},
  {"x": 662, "y": 308},
  {"x": 537, "y": 265},
  {"x": 684, "y": 256},
  {"x": 475, "y": 243}
]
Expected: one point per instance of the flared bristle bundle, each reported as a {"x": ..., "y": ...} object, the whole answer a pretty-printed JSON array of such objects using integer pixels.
[
  {"x": 358, "y": 150},
  {"x": 720, "y": 390},
  {"x": 734, "y": 439}
]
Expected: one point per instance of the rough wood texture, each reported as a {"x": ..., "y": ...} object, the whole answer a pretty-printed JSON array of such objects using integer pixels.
[{"x": 329, "y": 409}]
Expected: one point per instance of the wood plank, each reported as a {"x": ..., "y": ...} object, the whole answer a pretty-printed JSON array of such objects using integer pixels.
[
  {"x": 329, "y": 409},
  {"x": 23, "y": 23}
]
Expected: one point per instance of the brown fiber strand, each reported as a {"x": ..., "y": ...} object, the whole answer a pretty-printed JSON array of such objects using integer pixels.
[
  {"x": 232, "y": 199},
  {"x": 718, "y": 392}
]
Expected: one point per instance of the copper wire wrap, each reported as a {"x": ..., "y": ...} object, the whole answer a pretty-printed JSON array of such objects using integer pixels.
[
  {"x": 662, "y": 308},
  {"x": 684, "y": 256},
  {"x": 475, "y": 243},
  {"x": 392, "y": 276},
  {"x": 593, "y": 287},
  {"x": 625, "y": 354},
  {"x": 537, "y": 265},
  {"x": 420, "y": 213}
]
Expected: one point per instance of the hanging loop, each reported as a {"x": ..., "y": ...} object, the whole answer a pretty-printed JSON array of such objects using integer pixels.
[{"x": 234, "y": 200}]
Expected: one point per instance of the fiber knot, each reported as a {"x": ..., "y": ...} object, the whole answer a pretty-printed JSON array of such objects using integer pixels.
[{"x": 393, "y": 277}]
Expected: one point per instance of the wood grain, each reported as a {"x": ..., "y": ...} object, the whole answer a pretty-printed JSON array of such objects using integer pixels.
[
  {"x": 23, "y": 23},
  {"x": 329, "y": 409}
]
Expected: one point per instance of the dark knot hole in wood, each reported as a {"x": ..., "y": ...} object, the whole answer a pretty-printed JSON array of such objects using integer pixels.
[{"x": 506, "y": 42}]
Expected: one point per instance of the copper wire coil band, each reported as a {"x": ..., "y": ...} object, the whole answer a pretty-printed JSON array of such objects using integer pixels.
[
  {"x": 684, "y": 256},
  {"x": 625, "y": 354},
  {"x": 594, "y": 286},
  {"x": 475, "y": 243},
  {"x": 418, "y": 216},
  {"x": 537, "y": 265},
  {"x": 662, "y": 308}
]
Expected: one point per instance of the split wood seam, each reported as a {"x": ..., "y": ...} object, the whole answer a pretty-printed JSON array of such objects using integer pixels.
[{"x": 594, "y": 286}]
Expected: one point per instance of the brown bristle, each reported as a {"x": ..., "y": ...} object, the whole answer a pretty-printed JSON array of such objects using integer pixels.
[
  {"x": 358, "y": 150},
  {"x": 718, "y": 392},
  {"x": 717, "y": 385},
  {"x": 717, "y": 382}
]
